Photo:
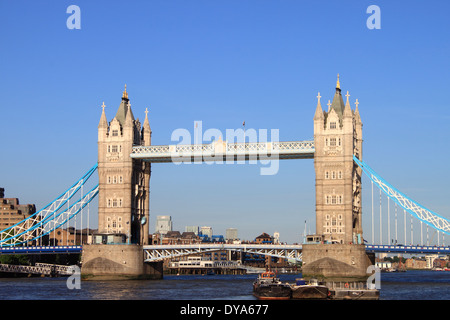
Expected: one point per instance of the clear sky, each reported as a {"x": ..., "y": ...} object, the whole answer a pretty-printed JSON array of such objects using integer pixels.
[{"x": 222, "y": 63}]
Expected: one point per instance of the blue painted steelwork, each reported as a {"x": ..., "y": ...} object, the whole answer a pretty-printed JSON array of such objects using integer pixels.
[
  {"x": 41, "y": 222},
  {"x": 407, "y": 249},
  {"x": 369, "y": 248},
  {"x": 415, "y": 209},
  {"x": 90, "y": 195}
]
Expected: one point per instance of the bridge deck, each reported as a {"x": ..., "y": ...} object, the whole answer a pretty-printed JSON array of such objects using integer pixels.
[
  {"x": 40, "y": 249},
  {"x": 161, "y": 252}
]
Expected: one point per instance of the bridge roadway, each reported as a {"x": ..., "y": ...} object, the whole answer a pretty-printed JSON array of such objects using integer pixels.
[
  {"x": 161, "y": 252},
  {"x": 39, "y": 268},
  {"x": 40, "y": 249}
]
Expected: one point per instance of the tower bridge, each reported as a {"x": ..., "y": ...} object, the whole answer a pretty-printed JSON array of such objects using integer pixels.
[{"x": 125, "y": 155}]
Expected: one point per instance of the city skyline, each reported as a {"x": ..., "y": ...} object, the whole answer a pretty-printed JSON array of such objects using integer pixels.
[{"x": 224, "y": 63}]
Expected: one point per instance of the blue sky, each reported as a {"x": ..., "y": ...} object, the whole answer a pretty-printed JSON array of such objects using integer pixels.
[{"x": 225, "y": 62}]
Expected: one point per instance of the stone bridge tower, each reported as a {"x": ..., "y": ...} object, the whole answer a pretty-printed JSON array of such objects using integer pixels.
[
  {"x": 337, "y": 137},
  {"x": 123, "y": 208},
  {"x": 123, "y": 202},
  {"x": 341, "y": 255}
]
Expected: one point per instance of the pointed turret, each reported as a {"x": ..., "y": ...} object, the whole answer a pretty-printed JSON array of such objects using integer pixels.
[
  {"x": 319, "y": 112},
  {"x": 146, "y": 130},
  {"x": 129, "y": 118},
  {"x": 338, "y": 103},
  {"x": 347, "y": 109},
  {"x": 123, "y": 108},
  {"x": 103, "y": 126},
  {"x": 357, "y": 116},
  {"x": 103, "y": 122}
]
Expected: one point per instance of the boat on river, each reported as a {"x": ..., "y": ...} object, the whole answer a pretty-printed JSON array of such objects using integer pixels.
[
  {"x": 268, "y": 287},
  {"x": 309, "y": 290}
]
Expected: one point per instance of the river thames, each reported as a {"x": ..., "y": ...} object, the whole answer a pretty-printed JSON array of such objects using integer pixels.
[{"x": 410, "y": 285}]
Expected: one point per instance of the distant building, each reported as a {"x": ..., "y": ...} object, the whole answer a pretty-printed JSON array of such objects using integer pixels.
[
  {"x": 11, "y": 212},
  {"x": 276, "y": 238},
  {"x": 207, "y": 232},
  {"x": 231, "y": 234},
  {"x": 416, "y": 263},
  {"x": 175, "y": 237},
  {"x": 264, "y": 238},
  {"x": 194, "y": 229},
  {"x": 163, "y": 224},
  {"x": 68, "y": 236}
]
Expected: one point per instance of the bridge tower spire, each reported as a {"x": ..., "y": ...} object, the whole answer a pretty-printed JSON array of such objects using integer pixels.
[
  {"x": 123, "y": 207},
  {"x": 337, "y": 137}
]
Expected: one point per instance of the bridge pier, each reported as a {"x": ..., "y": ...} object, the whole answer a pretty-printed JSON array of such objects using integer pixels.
[
  {"x": 338, "y": 262},
  {"x": 118, "y": 262}
]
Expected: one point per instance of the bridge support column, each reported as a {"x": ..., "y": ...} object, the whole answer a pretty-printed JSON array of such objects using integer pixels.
[{"x": 117, "y": 262}]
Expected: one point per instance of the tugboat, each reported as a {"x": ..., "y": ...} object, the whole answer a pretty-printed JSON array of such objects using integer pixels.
[
  {"x": 312, "y": 290},
  {"x": 268, "y": 287}
]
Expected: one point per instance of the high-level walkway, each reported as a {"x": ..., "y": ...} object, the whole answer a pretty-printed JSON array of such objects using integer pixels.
[{"x": 224, "y": 151}]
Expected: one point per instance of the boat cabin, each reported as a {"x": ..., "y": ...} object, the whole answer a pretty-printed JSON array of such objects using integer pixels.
[{"x": 267, "y": 275}]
